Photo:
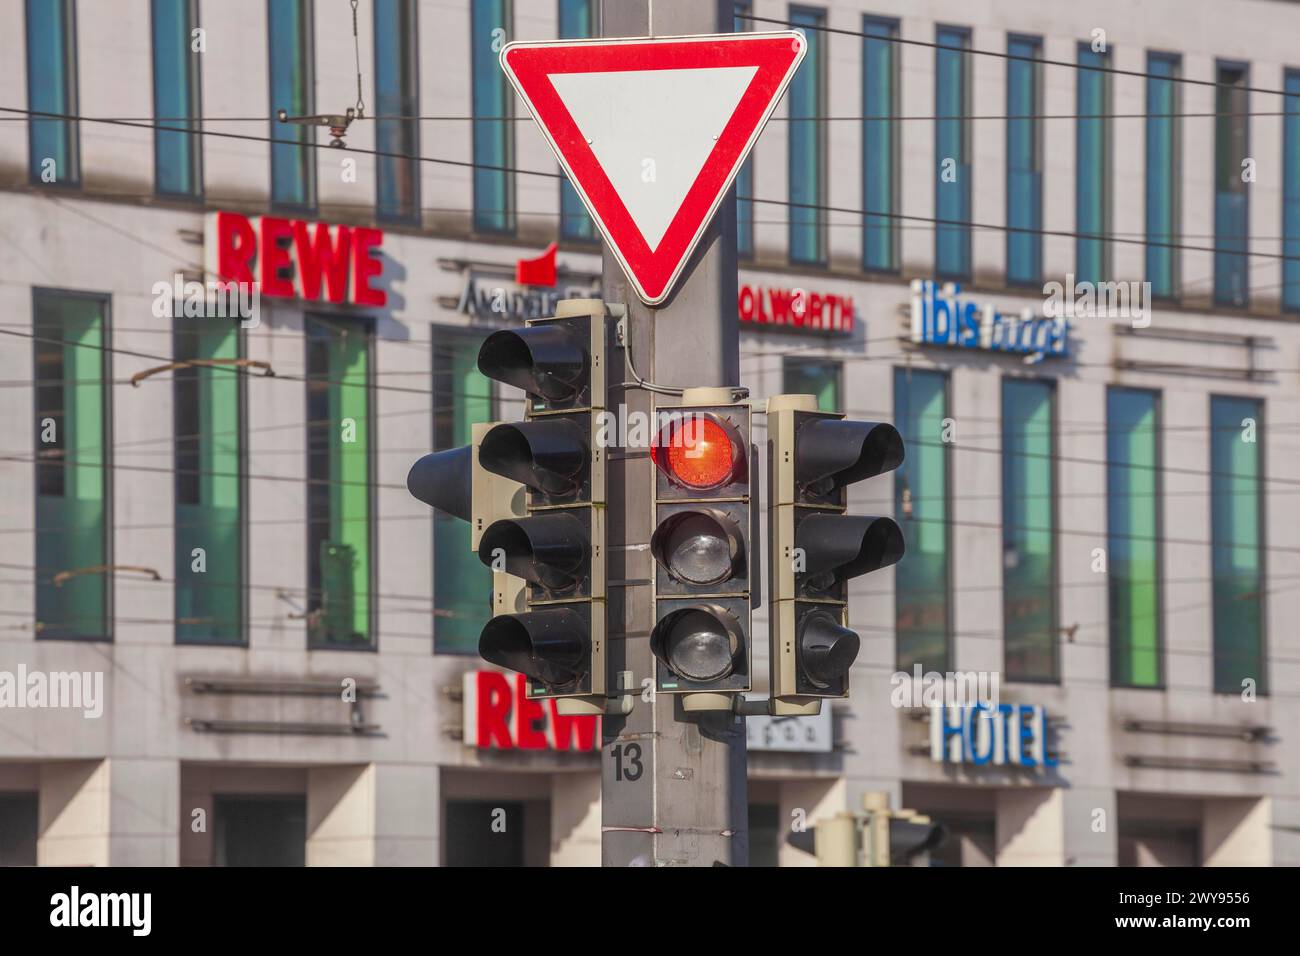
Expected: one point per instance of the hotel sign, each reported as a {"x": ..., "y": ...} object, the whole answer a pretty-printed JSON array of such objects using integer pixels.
[
  {"x": 985, "y": 733},
  {"x": 941, "y": 315}
]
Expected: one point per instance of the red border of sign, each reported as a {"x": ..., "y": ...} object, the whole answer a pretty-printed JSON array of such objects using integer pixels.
[{"x": 653, "y": 272}]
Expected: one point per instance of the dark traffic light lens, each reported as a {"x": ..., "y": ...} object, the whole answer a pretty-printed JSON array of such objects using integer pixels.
[
  {"x": 698, "y": 451},
  {"x": 828, "y": 648},
  {"x": 698, "y": 547},
  {"x": 698, "y": 643}
]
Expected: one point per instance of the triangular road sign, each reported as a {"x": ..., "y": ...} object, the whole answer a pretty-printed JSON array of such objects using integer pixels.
[{"x": 651, "y": 132}]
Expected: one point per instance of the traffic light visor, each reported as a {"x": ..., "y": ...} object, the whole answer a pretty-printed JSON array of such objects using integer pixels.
[
  {"x": 543, "y": 360},
  {"x": 547, "y": 646},
  {"x": 443, "y": 480}
]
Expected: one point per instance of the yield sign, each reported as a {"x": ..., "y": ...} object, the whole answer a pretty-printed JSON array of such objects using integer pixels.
[{"x": 651, "y": 132}]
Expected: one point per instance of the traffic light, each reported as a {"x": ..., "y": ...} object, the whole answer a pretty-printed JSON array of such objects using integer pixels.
[
  {"x": 877, "y": 836},
  {"x": 555, "y": 543},
  {"x": 702, "y": 549},
  {"x": 815, "y": 546}
]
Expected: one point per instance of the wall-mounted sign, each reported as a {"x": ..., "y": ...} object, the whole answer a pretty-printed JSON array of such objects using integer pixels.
[
  {"x": 499, "y": 716},
  {"x": 796, "y": 734},
  {"x": 294, "y": 258},
  {"x": 986, "y": 733},
  {"x": 492, "y": 293},
  {"x": 794, "y": 309},
  {"x": 941, "y": 315}
]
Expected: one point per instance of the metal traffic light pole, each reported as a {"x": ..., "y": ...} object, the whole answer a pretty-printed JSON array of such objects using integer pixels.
[{"x": 673, "y": 784}]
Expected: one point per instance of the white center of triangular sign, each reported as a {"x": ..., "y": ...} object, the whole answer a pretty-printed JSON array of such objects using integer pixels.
[{"x": 653, "y": 143}]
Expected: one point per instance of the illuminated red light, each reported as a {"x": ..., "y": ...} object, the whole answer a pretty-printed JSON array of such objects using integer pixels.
[{"x": 696, "y": 451}]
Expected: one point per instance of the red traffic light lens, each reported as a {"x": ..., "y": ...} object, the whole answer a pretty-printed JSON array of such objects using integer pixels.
[{"x": 697, "y": 451}]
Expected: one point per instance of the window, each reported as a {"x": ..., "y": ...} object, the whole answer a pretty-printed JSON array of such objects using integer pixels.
[
  {"x": 745, "y": 178},
  {"x": 1231, "y": 207},
  {"x": 293, "y": 167},
  {"x": 1092, "y": 166},
  {"x": 1291, "y": 193},
  {"x": 1237, "y": 519},
  {"x": 880, "y": 144},
  {"x": 1133, "y": 531},
  {"x": 1163, "y": 152},
  {"x": 72, "y": 441},
  {"x": 1028, "y": 530},
  {"x": 19, "y": 827},
  {"x": 1024, "y": 162},
  {"x": 952, "y": 153},
  {"x": 577, "y": 21},
  {"x": 208, "y": 421},
  {"x": 806, "y": 97},
  {"x": 923, "y": 580},
  {"x": 397, "y": 85},
  {"x": 494, "y": 189},
  {"x": 338, "y": 483},
  {"x": 54, "y": 147},
  {"x": 176, "y": 104},
  {"x": 765, "y": 832},
  {"x": 462, "y": 586},
  {"x": 820, "y": 377},
  {"x": 259, "y": 830}
]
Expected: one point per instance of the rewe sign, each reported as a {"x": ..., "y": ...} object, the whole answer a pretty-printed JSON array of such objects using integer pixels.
[
  {"x": 294, "y": 258},
  {"x": 499, "y": 716}
]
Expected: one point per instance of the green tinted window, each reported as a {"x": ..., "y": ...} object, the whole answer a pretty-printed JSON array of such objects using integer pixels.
[{"x": 814, "y": 377}]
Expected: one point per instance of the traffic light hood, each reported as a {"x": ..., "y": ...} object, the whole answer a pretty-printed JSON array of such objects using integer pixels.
[
  {"x": 831, "y": 453},
  {"x": 543, "y": 360},
  {"x": 547, "y": 646},
  {"x": 848, "y": 545},
  {"x": 547, "y": 455},
  {"x": 548, "y": 549},
  {"x": 442, "y": 480}
]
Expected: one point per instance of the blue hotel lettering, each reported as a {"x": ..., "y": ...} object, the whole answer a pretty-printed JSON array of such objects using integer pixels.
[
  {"x": 984, "y": 733},
  {"x": 942, "y": 316}
]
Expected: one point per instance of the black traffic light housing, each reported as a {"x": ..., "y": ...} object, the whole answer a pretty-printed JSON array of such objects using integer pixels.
[
  {"x": 703, "y": 549},
  {"x": 557, "y": 544},
  {"x": 815, "y": 546}
]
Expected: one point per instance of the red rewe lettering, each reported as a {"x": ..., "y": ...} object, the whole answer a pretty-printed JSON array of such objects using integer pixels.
[
  {"x": 364, "y": 265},
  {"x": 494, "y": 700},
  {"x": 275, "y": 257},
  {"x": 319, "y": 255},
  {"x": 236, "y": 248},
  {"x": 564, "y": 727},
  {"x": 528, "y": 715}
]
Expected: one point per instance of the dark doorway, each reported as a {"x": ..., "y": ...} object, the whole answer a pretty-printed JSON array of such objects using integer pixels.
[
  {"x": 260, "y": 831},
  {"x": 18, "y": 828}
]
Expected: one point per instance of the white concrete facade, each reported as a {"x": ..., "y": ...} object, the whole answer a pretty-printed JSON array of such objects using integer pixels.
[{"x": 124, "y": 789}]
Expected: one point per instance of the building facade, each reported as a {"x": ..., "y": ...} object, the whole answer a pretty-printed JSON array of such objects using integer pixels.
[{"x": 232, "y": 637}]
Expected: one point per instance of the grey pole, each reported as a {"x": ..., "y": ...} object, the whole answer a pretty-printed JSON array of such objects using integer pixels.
[{"x": 673, "y": 785}]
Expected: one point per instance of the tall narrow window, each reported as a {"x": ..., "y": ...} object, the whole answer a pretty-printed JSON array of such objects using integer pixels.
[
  {"x": 1028, "y": 531},
  {"x": 1163, "y": 181},
  {"x": 208, "y": 416},
  {"x": 745, "y": 178},
  {"x": 72, "y": 441},
  {"x": 462, "y": 586},
  {"x": 923, "y": 581},
  {"x": 1291, "y": 193},
  {"x": 293, "y": 165},
  {"x": 338, "y": 483},
  {"x": 952, "y": 153},
  {"x": 880, "y": 144},
  {"x": 177, "y": 149},
  {"x": 577, "y": 21},
  {"x": 1133, "y": 529},
  {"x": 1092, "y": 166},
  {"x": 1231, "y": 205},
  {"x": 494, "y": 185},
  {"x": 397, "y": 86},
  {"x": 807, "y": 135},
  {"x": 1237, "y": 516},
  {"x": 820, "y": 377},
  {"x": 1024, "y": 162},
  {"x": 53, "y": 145}
]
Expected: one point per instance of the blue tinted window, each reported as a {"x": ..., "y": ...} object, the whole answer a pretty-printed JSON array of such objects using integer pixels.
[
  {"x": 397, "y": 81},
  {"x": 952, "y": 153},
  {"x": 1024, "y": 164},
  {"x": 745, "y": 178},
  {"x": 807, "y": 142},
  {"x": 1092, "y": 166},
  {"x": 879, "y": 144},
  {"x": 577, "y": 21},
  {"x": 176, "y": 105},
  {"x": 1162, "y": 173},
  {"x": 1231, "y": 206},
  {"x": 53, "y": 144},
  {"x": 494, "y": 189},
  {"x": 293, "y": 167}
]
